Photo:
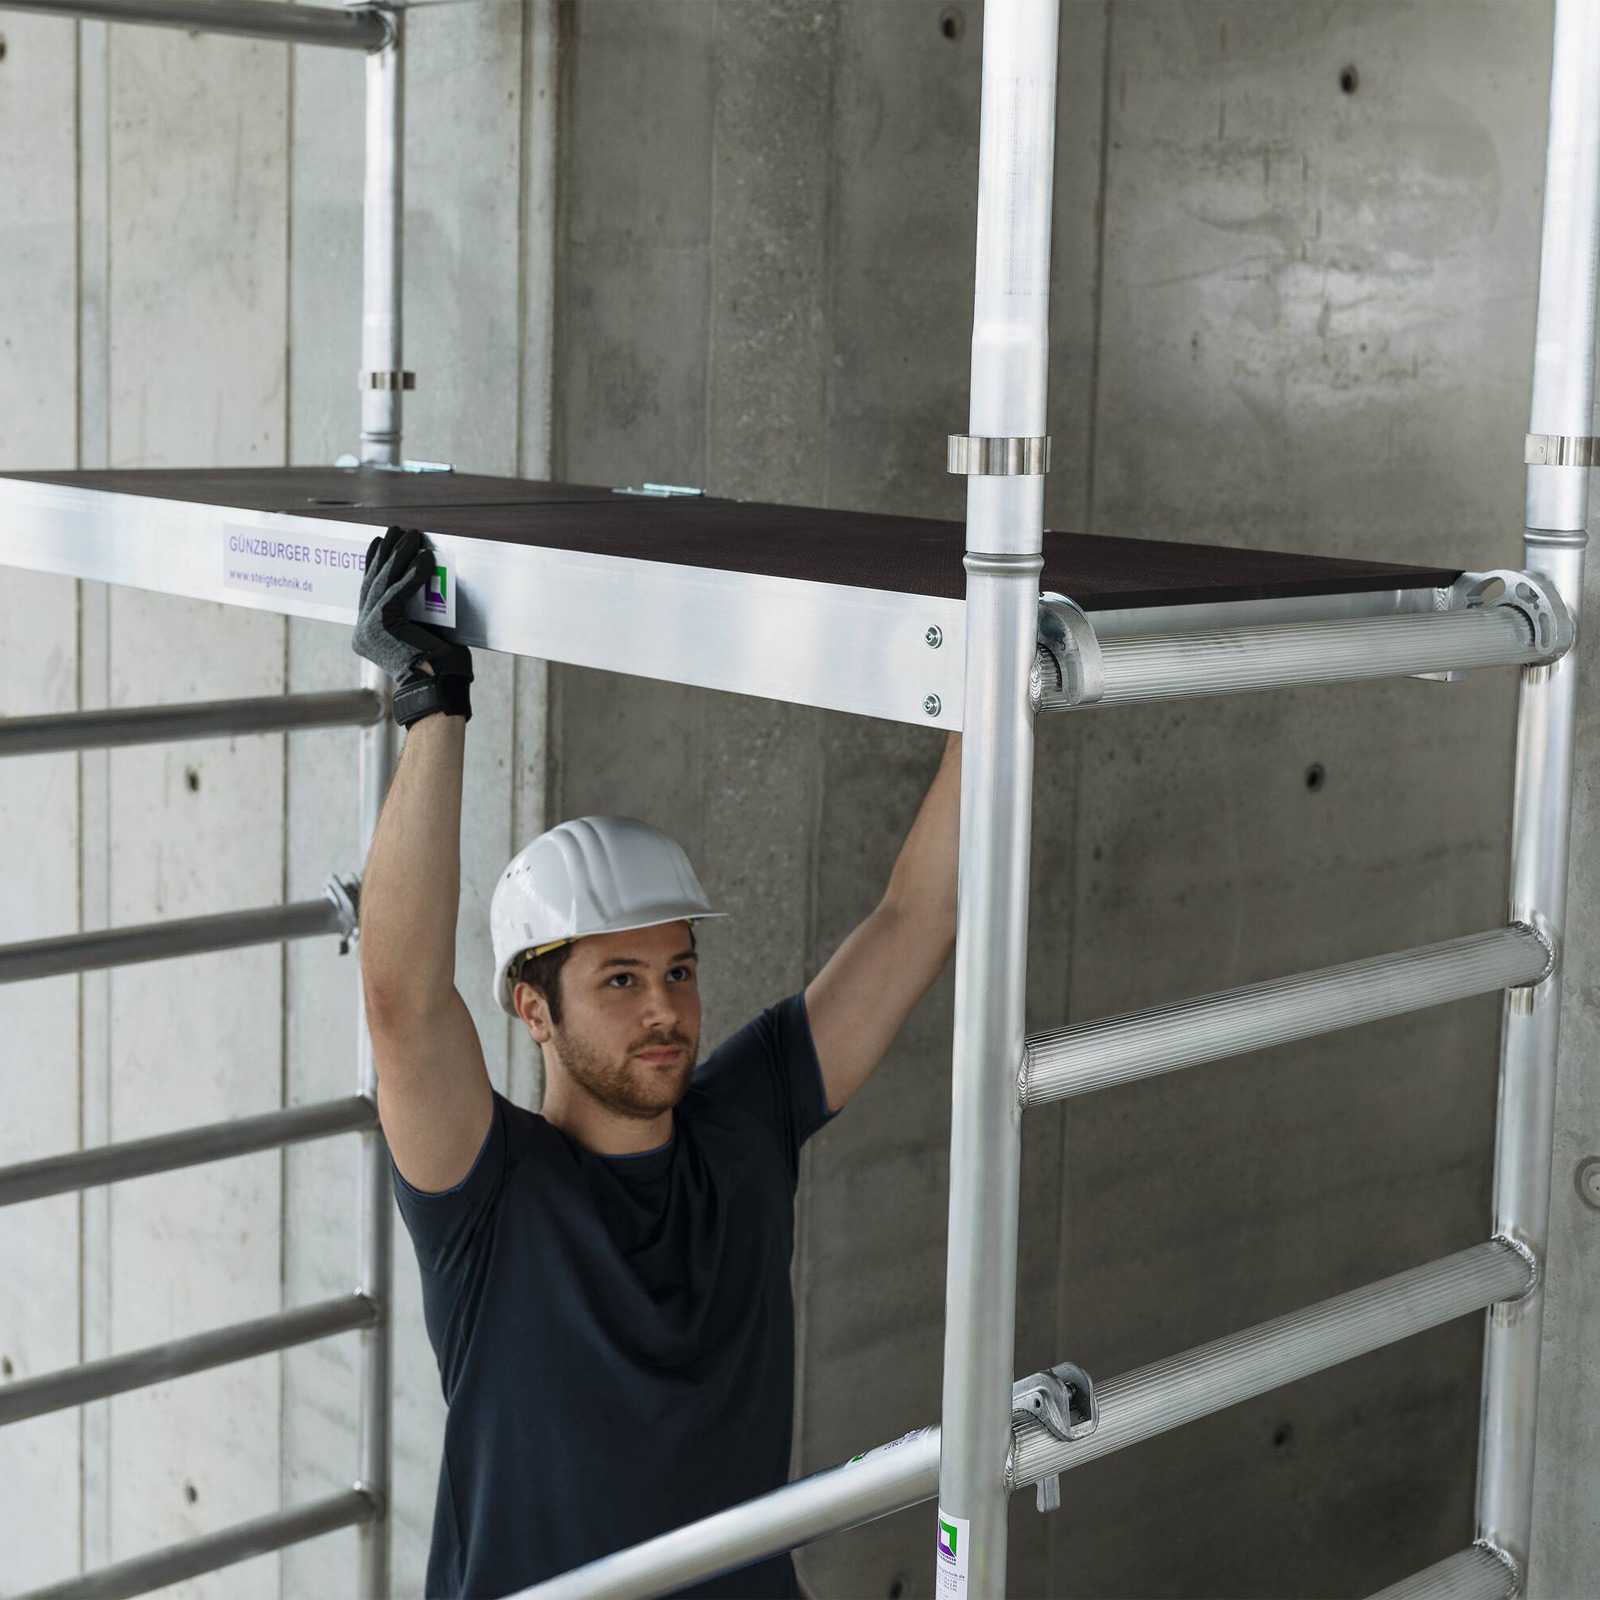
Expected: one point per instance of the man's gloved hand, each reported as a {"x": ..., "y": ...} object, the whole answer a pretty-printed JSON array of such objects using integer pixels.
[{"x": 398, "y": 565}]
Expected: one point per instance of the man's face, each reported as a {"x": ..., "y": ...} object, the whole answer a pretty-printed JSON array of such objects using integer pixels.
[{"x": 630, "y": 1018}]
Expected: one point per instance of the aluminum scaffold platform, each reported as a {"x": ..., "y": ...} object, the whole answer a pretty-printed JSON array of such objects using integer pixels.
[{"x": 910, "y": 619}]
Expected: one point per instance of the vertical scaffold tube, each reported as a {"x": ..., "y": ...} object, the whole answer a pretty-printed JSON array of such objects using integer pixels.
[
  {"x": 1010, "y": 358},
  {"x": 375, "y": 1265},
  {"x": 383, "y": 217},
  {"x": 1557, "y": 496}
]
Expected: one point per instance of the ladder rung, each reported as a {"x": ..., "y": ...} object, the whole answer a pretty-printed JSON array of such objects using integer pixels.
[
  {"x": 1473, "y": 1574},
  {"x": 1143, "y": 1044},
  {"x": 120, "y": 726},
  {"x": 168, "y": 1152},
  {"x": 213, "y": 1551},
  {"x": 1173, "y": 666},
  {"x": 1167, "y": 1394},
  {"x": 178, "y": 1358},
  {"x": 159, "y": 941}
]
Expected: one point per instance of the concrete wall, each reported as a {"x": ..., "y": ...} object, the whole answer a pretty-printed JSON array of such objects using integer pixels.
[
  {"x": 1284, "y": 315},
  {"x": 179, "y": 270}
]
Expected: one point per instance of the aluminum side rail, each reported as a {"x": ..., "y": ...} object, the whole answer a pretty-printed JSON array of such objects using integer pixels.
[
  {"x": 352, "y": 29},
  {"x": 168, "y": 1152},
  {"x": 1134, "y": 1407},
  {"x": 212, "y": 1551},
  {"x": 1143, "y": 1044},
  {"x": 1476, "y": 1573},
  {"x": 177, "y": 1358},
  {"x": 1186, "y": 665},
  {"x": 210, "y": 719},
  {"x": 188, "y": 936}
]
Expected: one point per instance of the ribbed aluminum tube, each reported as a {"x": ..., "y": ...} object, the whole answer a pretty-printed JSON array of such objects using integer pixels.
[
  {"x": 159, "y": 941},
  {"x": 177, "y": 1358},
  {"x": 1167, "y": 1394},
  {"x": 1004, "y": 535},
  {"x": 1133, "y": 1407},
  {"x": 1144, "y": 1044},
  {"x": 1181, "y": 666},
  {"x": 382, "y": 248},
  {"x": 1553, "y": 542},
  {"x": 211, "y": 719},
  {"x": 168, "y": 1152},
  {"x": 355, "y": 28},
  {"x": 213, "y": 1551},
  {"x": 1471, "y": 1574},
  {"x": 374, "y": 1202}
]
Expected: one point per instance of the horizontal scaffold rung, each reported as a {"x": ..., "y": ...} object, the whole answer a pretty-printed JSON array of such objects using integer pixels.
[
  {"x": 1143, "y": 1044},
  {"x": 118, "y": 726},
  {"x": 169, "y": 1152},
  {"x": 1132, "y": 1408},
  {"x": 213, "y": 1551},
  {"x": 187, "y": 936},
  {"x": 178, "y": 1358},
  {"x": 1476, "y": 1573},
  {"x": 350, "y": 28},
  {"x": 1185, "y": 665}
]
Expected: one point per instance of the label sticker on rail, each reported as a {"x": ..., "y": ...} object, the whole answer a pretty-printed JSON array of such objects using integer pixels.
[
  {"x": 953, "y": 1555},
  {"x": 325, "y": 571}
]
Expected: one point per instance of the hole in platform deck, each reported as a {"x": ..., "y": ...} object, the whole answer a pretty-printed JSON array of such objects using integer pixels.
[
  {"x": 1349, "y": 80},
  {"x": 1315, "y": 776},
  {"x": 952, "y": 24}
]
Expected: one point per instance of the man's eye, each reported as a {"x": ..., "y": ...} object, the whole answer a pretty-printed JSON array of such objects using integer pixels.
[
  {"x": 621, "y": 977},
  {"x": 680, "y": 974}
]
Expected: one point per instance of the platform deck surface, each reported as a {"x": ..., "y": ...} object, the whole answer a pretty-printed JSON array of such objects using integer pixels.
[{"x": 905, "y": 555}]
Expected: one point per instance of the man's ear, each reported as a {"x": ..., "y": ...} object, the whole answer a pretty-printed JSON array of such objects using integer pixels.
[{"x": 534, "y": 1010}]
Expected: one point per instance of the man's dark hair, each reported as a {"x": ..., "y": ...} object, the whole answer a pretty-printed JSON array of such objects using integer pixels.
[{"x": 544, "y": 973}]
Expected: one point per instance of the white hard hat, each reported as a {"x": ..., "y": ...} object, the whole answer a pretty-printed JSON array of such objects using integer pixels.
[{"x": 589, "y": 875}]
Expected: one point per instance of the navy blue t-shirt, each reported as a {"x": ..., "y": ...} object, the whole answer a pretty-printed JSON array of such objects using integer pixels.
[{"x": 615, "y": 1334}]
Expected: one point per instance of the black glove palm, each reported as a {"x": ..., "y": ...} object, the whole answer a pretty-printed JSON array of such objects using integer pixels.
[{"x": 398, "y": 565}]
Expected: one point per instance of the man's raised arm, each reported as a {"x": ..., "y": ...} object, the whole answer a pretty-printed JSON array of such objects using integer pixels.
[
  {"x": 860, "y": 999},
  {"x": 433, "y": 1088}
]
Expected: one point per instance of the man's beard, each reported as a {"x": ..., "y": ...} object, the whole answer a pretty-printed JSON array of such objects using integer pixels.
[{"x": 629, "y": 1087}]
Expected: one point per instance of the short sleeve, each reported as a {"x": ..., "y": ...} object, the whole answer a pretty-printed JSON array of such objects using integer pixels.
[
  {"x": 446, "y": 1225},
  {"x": 770, "y": 1069}
]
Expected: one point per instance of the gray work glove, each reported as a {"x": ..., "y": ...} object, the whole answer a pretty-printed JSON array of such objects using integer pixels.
[{"x": 398, "y": 565}]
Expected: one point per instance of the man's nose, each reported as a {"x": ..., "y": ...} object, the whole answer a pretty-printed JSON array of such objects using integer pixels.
[{"x": 660, "y": 1008}]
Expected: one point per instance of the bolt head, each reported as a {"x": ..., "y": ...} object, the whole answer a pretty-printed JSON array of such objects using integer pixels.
[
  {"x": 932, "y": 705},
  {"x": 934, "y": 636}
]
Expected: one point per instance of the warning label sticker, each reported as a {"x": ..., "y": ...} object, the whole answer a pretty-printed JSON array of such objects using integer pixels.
[
  {"x": 325, "y": 571},
  {"x": 952, "y": 1557}
]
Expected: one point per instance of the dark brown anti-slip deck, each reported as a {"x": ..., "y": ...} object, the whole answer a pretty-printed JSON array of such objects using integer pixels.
[{"x": 907, "y": 555}]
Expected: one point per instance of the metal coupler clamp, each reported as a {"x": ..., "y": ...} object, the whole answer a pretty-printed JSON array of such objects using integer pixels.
[
  {"x": 1526, "y": 592},
  {"x": 1067, "y": 667},
  {"x": 344, "y": 891},
  {"x": 1061, "y": 1399}
]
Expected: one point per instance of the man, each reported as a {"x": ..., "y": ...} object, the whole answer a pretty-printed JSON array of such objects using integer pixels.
[{"x": 606, "y": 1284}]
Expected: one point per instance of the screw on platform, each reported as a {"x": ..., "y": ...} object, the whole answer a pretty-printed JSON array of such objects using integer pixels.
[
  {"x": 932, "y": 705},
  {"x": 934, "y": 636}
]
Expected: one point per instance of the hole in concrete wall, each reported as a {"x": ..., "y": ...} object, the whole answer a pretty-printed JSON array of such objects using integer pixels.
[
  {"x": 190, "y": 1493},
  {"x": 1315, "y": 776},
  {"x": 6, "y": 1369},
  {"x": 899, "y": 1587},
  {"x": 2, "y": 47},
  {"x": 1349, "y": 79},
  {"x": 952, "y": 24},
  {"x": 191, "y": 776},
  {"x": 1282, "y": 1436}
]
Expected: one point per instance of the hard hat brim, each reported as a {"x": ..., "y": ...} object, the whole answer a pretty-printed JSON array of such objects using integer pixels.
[{"x": 503, "y": 985}]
